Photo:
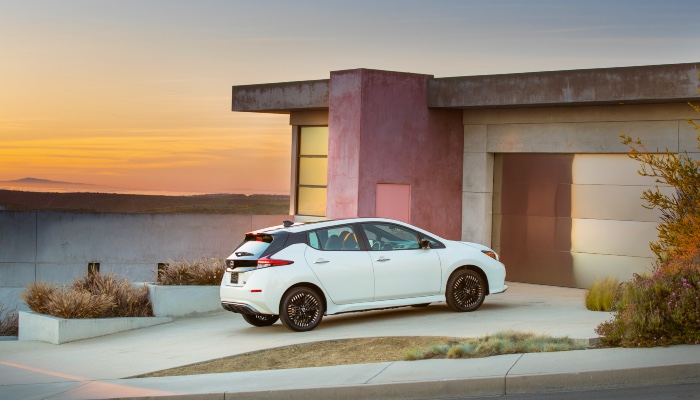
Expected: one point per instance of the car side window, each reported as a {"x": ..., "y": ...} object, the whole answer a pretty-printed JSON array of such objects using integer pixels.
[
  {"x": 337, "y": 238},
  {"x": 383, "y": 237}
]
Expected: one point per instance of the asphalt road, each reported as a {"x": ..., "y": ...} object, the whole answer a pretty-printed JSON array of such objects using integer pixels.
[{"x": 666, "y": 392}]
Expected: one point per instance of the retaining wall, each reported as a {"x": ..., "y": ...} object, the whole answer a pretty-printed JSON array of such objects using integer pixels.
[{"x": 59, "y": 246}]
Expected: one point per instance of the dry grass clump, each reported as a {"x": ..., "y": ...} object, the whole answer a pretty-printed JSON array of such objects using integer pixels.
[
  {"x": 92, "y": 296},
  {"x": 204, "y": 272},
  {"x": 509, "y": 342},
  {"x": 9, "y": 321},
  {"x": 603, "y": 294},
  {"x": 37, "y": 296}
]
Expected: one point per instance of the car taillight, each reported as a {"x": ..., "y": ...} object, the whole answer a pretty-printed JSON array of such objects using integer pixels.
[{"x": 271, "y": 262}]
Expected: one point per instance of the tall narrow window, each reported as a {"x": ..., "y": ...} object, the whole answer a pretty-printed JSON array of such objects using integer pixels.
[{"x": 312, "y": 170}]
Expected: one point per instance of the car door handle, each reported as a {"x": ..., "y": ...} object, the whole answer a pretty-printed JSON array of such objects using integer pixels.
[
  {"x": 382, "y": 259},
  {"x": 321, "y": 261}
]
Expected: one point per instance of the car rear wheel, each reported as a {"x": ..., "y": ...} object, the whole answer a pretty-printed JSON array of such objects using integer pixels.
[
  {"x": 260, "y": 319},
  {"x": 465, "y": 291},
  {"x": 301, "y": 309}
]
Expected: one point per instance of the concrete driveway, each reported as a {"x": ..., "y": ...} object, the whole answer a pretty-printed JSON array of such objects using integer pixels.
[{"x": 524, "y": 307}]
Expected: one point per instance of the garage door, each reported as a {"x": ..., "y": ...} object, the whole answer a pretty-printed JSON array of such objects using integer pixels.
[{"x": 567, "y": 219}]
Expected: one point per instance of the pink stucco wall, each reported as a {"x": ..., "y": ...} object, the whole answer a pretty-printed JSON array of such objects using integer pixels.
[{"x": 381, "y": 131}]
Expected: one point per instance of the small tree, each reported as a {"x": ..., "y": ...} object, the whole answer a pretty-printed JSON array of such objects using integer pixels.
[{"x": 680, "y": 211}]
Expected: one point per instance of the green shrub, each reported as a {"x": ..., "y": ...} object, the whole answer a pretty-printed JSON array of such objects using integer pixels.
[
  {"x": 9, "y": 321},
  {"x": 206, "y": 272},
  {"x": 92, "y": 296},
  {"x": 603, "y": 294},
  {"x": 660, "y": 310}
]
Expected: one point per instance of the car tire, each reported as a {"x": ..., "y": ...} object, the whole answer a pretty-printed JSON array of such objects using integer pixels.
[
  {"x": 260, "y": 319},
  {"x": 465, "y": 290},
  {"x": 301, "y": 309}
]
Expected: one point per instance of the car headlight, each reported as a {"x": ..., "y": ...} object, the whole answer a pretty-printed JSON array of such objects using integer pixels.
[{"x": 491, "y": 254}]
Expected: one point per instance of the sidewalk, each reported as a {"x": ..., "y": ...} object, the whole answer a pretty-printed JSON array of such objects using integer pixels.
[{"x": 100, "y": 368}]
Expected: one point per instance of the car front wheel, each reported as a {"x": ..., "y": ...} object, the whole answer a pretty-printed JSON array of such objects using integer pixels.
[
  {"x": 260, "y": 319},
  {"x": 301, "y": 309},
  {"x": 465, "y": 291}
]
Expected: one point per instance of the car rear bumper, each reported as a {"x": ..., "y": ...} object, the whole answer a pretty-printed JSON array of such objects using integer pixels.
[{"x": 240, "y": 308}]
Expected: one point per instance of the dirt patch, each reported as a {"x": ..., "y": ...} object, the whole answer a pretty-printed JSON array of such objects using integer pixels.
[{"x": 319, "y": 354}]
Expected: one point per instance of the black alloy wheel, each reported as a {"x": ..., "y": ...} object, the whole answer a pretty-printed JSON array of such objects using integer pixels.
[
  {"x": 301, "y": 309},
  {"x": 465, "y": 291},
  {"x": 260, "y": 319}
]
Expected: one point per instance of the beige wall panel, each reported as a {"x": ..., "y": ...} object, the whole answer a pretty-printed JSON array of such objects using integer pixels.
[
  {"x": 309, "y": 118},
  {"x": 641, "y": 112},
  {"x": 476, "y": 217},
  {"x": 694, "y": 156},
  {"x": 688, "y": 136},
  {"x": 589, "y": 267},
  {"x": 608, "y": 169},
  {"x": 612, "y": 202},
  {"x": 477, "y": 173},
  {"x": 622, "y": 238},
  {"x": 585, "y": 137},
  {"x": 475, "y": 138}
]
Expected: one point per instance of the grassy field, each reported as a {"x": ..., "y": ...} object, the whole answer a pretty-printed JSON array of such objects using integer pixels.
[{"x": 259, "y": 204}]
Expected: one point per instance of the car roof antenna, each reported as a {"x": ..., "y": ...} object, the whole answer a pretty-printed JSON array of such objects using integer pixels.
[{"x": 287, "y": 224}]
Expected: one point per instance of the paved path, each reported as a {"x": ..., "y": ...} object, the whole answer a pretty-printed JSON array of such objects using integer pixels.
[{"x": 98, "y": 368}]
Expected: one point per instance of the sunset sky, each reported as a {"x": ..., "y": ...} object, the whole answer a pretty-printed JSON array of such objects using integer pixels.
[{"x": 137, "y": 94}]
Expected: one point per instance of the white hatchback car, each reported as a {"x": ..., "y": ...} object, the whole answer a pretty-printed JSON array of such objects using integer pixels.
[{"x": 300, "y": 272}]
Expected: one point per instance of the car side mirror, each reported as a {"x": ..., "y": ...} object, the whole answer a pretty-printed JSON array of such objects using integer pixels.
[{"x": 425, "y": 244}]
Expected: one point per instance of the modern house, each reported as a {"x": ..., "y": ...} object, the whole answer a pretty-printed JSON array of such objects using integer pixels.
[{"x": 531, "y": 164}]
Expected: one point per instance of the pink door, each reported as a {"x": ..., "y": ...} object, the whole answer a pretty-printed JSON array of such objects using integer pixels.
[{"x": 393, "y": 201}]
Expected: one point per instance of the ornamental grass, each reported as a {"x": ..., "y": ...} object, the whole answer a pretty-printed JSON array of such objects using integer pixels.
[
  {"x": 92, "y": 296},
  {"x": 203, "y": 272}
]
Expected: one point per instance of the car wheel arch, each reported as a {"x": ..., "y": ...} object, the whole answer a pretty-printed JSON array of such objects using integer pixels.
[
  {"x": 313, "y": 287},
  {"x": 475, "y": 269}
]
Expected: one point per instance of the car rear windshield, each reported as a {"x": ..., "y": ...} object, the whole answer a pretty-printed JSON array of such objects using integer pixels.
[{"x": 254, "y": 245}]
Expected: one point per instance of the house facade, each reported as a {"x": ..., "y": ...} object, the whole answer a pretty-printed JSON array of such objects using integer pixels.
[{"x": 530, "y": 164}]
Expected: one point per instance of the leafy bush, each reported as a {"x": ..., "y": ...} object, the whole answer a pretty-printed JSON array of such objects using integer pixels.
[
  {"x": 92, "y": 296},
  {"x": 664, "y": 308},
  {"x": 206, "y": 272},
  {"x": 680, "y": 212},
  {"x": 9, "y": 321},
  {"x": 509, "y": 342},
  {"x": 661, "y": 309},
  {"x": 602, "y": 294}
]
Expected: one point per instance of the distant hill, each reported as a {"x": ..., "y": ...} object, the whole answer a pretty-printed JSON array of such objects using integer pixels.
[
  {"x": 39, "y": 181},
  {"x": 15, "y": 200}
]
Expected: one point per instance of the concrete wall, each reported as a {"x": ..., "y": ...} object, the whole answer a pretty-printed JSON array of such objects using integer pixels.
[
  {"x": 382, "y": 132},
  {"x": 57, "y": 247},
  {"x": 608, "y": 229}
]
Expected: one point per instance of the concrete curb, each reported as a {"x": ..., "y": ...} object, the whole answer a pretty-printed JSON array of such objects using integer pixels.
[
  {"x": 46, "y": 328},
  {"x": 493, "y": 376}
]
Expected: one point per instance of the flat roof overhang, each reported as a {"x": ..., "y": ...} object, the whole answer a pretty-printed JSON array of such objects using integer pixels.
[
  {"x": 603, "y": 86},
  {"x": 281, "y": 98},
  {"x": 670, "y": 83}
]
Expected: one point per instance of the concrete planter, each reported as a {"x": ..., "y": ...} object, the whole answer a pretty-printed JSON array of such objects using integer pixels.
[
  {"x": 45, "y": 328},
  {"x": 181, "y": 301}
]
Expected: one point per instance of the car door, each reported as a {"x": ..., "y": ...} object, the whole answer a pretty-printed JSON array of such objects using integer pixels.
[
  {"x": 402, "y": 269},
  {"x": 344, "y": 269}
]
